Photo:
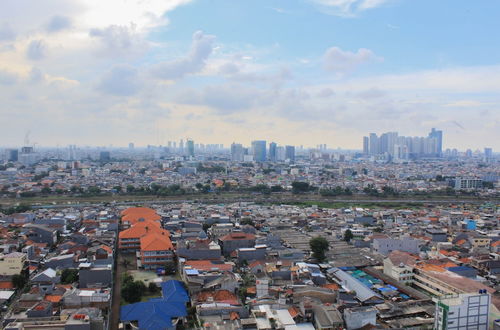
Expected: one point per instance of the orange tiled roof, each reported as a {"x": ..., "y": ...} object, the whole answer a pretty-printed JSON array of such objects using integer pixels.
[
  {"x": 293, "y": 312},
  {"x": 53, "y": 298},
  {"x": 206, "y": 265},
  {"x": 218, "y": 296},
  {"x": 6, "y": 285},
  {"x": 106, "y": 248},
  {"x": 140, "y": 229},
  {"x": 331, "y": 286},
  {"x": 460, "y": 242},
  {"x": 234, "y": 316},
  {"x": 495, "y": 244},
  {"x": 138, "y": 210},
  {"x": 156, "y": 242}
]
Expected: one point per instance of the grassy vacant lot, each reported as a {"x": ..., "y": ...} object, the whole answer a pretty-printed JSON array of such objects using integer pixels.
[{"x": 229, "y": 197}]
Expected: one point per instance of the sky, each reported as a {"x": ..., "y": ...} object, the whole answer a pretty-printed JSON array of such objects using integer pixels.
[{"x": 300, "y": 72}]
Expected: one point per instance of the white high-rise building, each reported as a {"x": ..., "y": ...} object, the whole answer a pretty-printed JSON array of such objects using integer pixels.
[{"x": 463, "y": 311}]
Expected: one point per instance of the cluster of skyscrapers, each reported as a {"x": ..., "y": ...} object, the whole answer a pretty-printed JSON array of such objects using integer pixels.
[
  {"x": 391, "y": 145},
  {"x": 259, "y": 152}
]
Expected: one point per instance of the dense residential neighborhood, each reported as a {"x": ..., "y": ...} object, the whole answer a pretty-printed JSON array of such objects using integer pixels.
[{"x": 248, "y": 266}]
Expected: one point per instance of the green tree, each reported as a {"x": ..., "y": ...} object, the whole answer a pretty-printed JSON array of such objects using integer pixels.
[
  {"x": 19, "y": 281},
  {"x": 319, "y": 246},
  {"x": 247, "y": 221},
  {"x": 153, "y": 288},
  {"x": 132, "y": 291},
  {"x": 348, "y": 236},
  {"x": 300, "y": 187},
  {"x": 69, "y": 276}
]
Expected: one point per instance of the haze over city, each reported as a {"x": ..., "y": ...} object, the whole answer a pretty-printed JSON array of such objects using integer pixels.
[{"x": 297, "y": 72}]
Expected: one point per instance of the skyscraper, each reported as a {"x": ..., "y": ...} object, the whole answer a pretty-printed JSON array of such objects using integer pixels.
[
  {"x": 290, "y": 153},
  {"x": 438, "y": 135},
  {"x": 272, "y": 151},
  {"x": 104, "y": 156},
  {"x": 237, "y": 152},
  {"x": 366, "y": 145},
  {"x": 259, "y": 150},
  {"x": 374, "y": 144},
  {"x": 190, "y": 148},
  {"x": 12, "y": 155}
]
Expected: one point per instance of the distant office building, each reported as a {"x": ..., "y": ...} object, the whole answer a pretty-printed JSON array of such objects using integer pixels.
[
  {"x": 181, "y": 146},
  {"x": 131, "y": 146},
  {"x": 396, "y": 147},
  {"x": 438, "y": 136},
  {"x": 366, "y": 145},
  {"x": 272, "y": 151},
  {"x": 290, "y": 153},
  {"x": 280, "y": 154},
  {"x": 374, "y": 144},
  {"x": 237, "y": 152},
  {"x": 468, "y": 183},
  {"x": 104, "y": 156},
  {"x": 28, "y": 156},
  {"x": 190, "y": 148},
  {"x": 12, "y": 155},
  {"x": 259, "y": 150},
  {"x": 463, "y": 311},
  {"x": 488, "y": 153}
]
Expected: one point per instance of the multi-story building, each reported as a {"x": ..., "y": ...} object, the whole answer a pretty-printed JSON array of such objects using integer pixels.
[
  {"x": 462, "y": 311},
  {"x": 468, "y": 183},
  {"x": 237, "y": 152},
  {"x": 290, "y": 153},
  {"x": 259, "y": 150},
  {"x": 272, "y": 151},
  {"x": 12, "y": 263},
  {"x": 156, "y": 251}
]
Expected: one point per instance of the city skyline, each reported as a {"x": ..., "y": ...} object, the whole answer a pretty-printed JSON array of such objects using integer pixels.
[{"x": 81, "y": 72}]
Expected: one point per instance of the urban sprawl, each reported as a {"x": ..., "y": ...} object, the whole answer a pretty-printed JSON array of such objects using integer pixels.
[{"x": 399, "y": 234}]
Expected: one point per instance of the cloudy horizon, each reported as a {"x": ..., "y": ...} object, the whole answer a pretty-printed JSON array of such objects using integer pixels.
[{"x": 301, "y": 72}]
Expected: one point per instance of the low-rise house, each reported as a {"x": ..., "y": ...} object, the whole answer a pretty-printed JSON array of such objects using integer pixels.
[
  {"x": 327, "y": 317},
  {"x": 94, "y": 276},
  {"x": 200, "y": 249},
  {"x": 236, "y": 240},
  {"x": 46, "y": 280},
  {"x": 385, "y": 246},
  {"x": 359, "y": 317},
  {"x": 41, "y": 233}
]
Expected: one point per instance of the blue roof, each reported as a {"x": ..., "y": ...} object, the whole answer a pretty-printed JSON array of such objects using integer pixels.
[
  {"x": 157, "y": 313},
  {"x": 173, "y": 291}
]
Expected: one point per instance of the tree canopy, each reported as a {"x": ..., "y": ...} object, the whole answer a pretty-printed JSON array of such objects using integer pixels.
[{"x": 319, "y": 246}]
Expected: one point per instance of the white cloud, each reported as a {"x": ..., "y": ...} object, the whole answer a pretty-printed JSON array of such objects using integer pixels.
[
  {"x": 58, "y": 23},
  {"x": 7, "y": 78},
  {"x": 340, "y": 61},
  {"x": 121, "y": 80},
  {"x": 6, "y": 32},
  {"x": 119, "y": 40},
  {"x": 36, "y": 50},
  {"x": 194, "y": 62},
  {"x": 347, "y": 8}
]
